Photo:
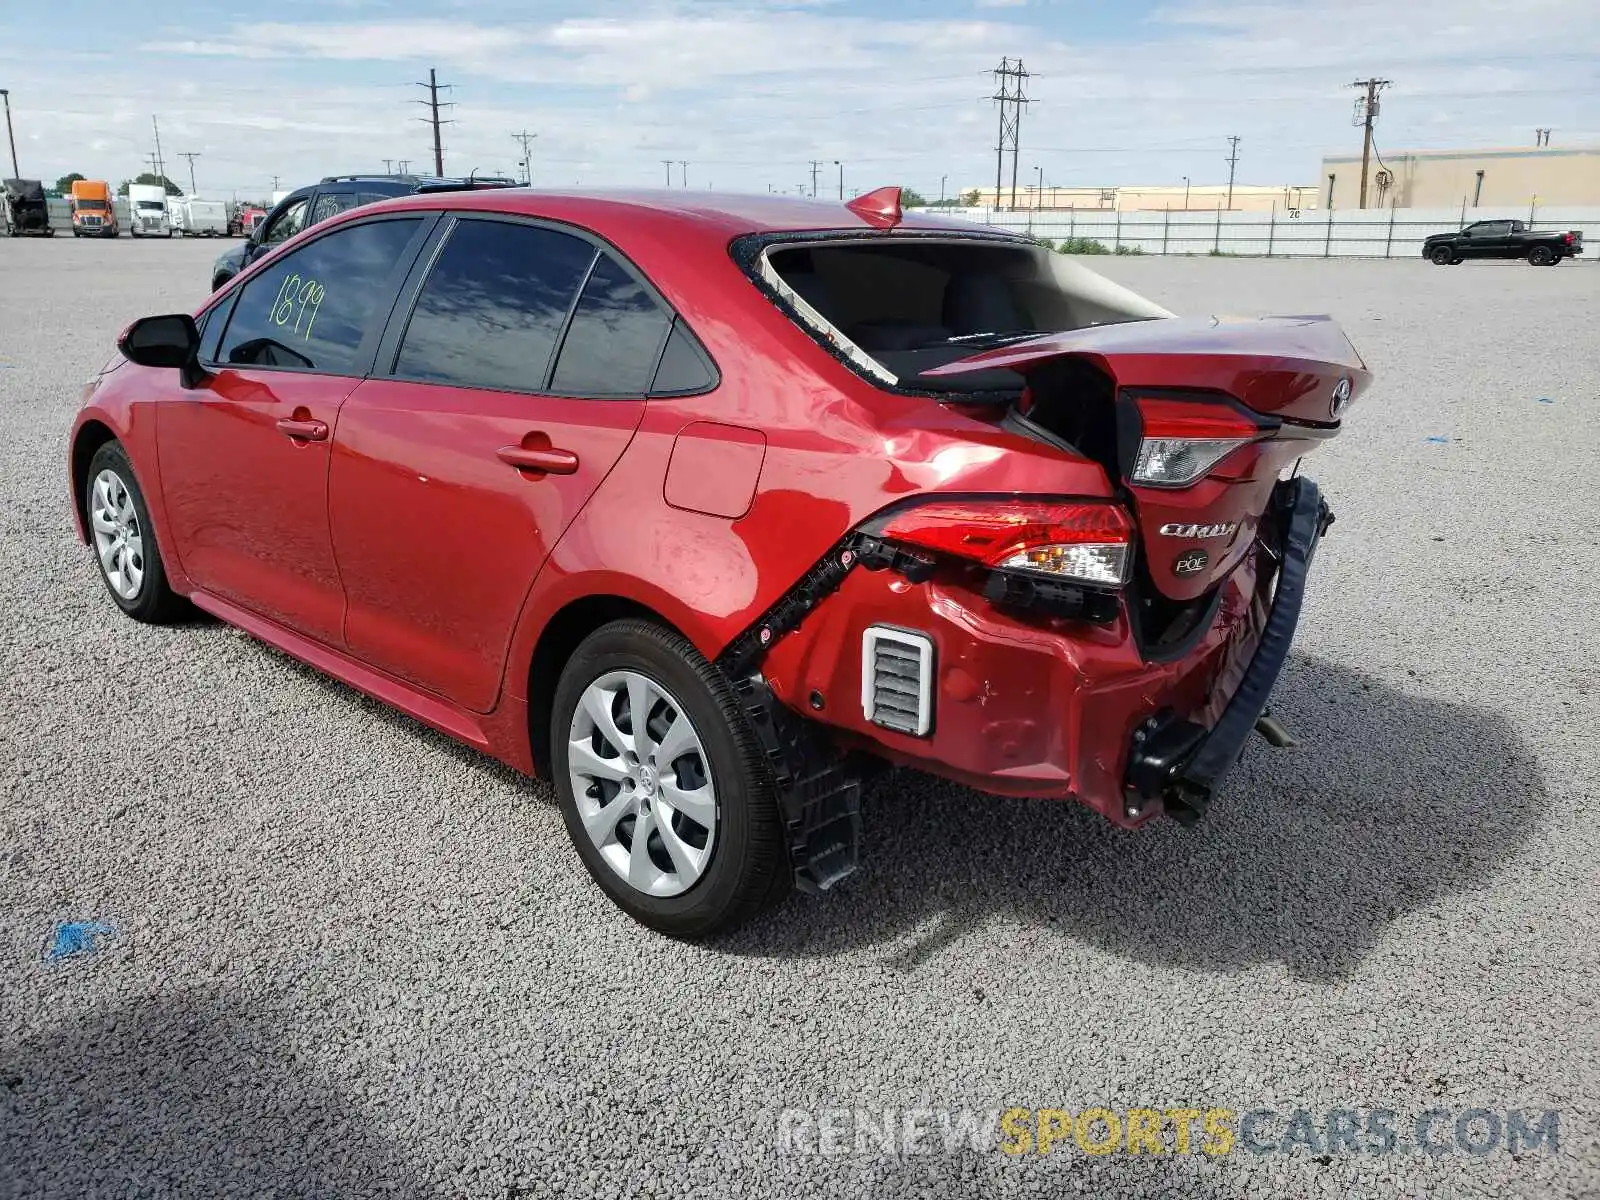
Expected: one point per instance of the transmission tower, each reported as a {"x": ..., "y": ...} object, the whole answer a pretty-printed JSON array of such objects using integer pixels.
[
  {"x": 1011, "y": 80},
  {"x": 523, "y": 139},
  {"x": 434, "y": 88}
]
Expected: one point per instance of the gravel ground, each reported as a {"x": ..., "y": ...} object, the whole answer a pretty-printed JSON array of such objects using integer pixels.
[{"x": 353, "y": 959}]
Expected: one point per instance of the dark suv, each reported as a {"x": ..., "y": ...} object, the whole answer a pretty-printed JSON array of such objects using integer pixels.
[{"x": 315, "y": 203}]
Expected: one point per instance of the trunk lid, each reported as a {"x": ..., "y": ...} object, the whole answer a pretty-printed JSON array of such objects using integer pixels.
[{"x": 1276, "y": 385}]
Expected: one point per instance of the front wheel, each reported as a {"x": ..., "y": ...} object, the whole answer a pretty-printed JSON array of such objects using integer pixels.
[
  {"x": 662, "y": 785},
  {"x": 1441, "y": 256},
  {"x": 124, "y": 540},
  {"x": 1541, "y": 256}
]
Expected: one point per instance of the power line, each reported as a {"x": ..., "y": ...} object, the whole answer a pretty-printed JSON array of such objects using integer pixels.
[
  {"x": 433, "y": 85},
  {"x": 523, "y": 139},
  {"x": 1233, "y": 161},
  {"x": 1011, "y": 101},
  {"x": 1366, "y": 113}
]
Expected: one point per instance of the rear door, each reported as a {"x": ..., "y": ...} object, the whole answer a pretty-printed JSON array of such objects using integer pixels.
[{"x": 510, "y": 382}]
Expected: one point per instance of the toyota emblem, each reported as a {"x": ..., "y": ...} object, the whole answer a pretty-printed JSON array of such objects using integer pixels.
[{"x": 1340, "y": 400}]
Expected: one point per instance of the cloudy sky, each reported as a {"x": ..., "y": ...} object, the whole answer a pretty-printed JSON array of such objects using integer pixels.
[{"x": 749, "y": 92}]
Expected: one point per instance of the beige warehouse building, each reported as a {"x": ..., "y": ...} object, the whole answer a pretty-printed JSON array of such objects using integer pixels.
[{"x": 1447, "y": 178}]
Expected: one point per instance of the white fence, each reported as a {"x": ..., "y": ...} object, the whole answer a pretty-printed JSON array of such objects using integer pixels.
[{"x": 1284, "y": 233}]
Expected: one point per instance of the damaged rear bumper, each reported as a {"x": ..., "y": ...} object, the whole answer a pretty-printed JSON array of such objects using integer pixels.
[
  {"x": 1041, "y": 708},
  {"x": 1179, "y": 762}
]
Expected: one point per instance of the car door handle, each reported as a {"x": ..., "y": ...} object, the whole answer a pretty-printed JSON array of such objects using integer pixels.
[
  {"x": 547, "y": 459},
  {"x": 305, "y": 431}
]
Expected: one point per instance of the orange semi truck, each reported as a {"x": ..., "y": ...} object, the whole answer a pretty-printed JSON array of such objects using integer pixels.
[{"x": 93, "y": 213}]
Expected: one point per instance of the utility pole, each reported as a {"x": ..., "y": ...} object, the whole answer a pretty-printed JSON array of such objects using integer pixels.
[
  {"x": 1233, "y": 161},
  {"x": 388, "y": 166},
  {"x": 840, "y": 164},
  {"x": 1366, "y": 113},
  {"x": 403, "y": 166},
  {"x": 523, "y": 139},
  {"x": 1541, "y": 137},
  {"x": 191, "y": 156},
  {"x": 274, "y": 183},
  {"x": 942, "y": 179},
  {"x": 667, "y": 163},
  {"x": 1011, "y": 81},
  {"x": 683, "y": 164},
  {"x": 433, "y": 85},
  {"x": 5, "y": 95},
  {"x": 1038, "y": 201},
  {"x": 161, "y": 167},
  {"x": 816, "y": 165}
]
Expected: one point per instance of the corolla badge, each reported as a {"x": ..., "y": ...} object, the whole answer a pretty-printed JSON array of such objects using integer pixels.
[
  {"x": 1178, "y": 530},
  {"x": 1190, "y": 562},
  {"x": 1340, "y": 400}
]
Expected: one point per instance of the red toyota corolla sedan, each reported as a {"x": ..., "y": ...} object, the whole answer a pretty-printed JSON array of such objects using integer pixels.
[{"x": 701, "y": 506}]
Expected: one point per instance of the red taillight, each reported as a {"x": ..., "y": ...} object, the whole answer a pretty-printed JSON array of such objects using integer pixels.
[
  {"x": 1086, "y": 542},
  {"x": 1568, "y": 239},
  {"x": 1183, "y": 440}
]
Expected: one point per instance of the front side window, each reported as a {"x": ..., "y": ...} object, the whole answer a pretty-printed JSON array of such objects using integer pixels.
[
  {"x": 493, "y": 306},
  {"x": 311, "y": 309},
  {"x": 290, "y": 222}
]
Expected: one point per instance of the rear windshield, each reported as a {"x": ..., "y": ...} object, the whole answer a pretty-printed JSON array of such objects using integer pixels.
[{"x": 914, "y": 304}]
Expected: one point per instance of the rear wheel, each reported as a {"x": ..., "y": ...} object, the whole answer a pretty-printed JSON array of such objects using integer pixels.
[
  {"x": 1441, "y": 256},
  {"x": 1541, "y": 256},
  {"x": 662, "y": 785},
  {"x": 124, "y": 540}
]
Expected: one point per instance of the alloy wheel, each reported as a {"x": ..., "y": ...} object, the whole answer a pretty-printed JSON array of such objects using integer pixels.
[
  {"x": 118, "y": 536},
  {"x": 642, "y": 783}
]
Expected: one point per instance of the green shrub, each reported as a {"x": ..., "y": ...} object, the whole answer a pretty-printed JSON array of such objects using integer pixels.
[{"x": 1080, "y": 245}]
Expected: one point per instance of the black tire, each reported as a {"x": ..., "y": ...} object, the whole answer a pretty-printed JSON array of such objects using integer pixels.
[
  {"x": 1441, "y": 256},
  {"x": 155, "y": 603},
  {"x": 748, "y": 869},
  {"x": 1541, "y": 256},
  {"x": 219, "y": 281}
]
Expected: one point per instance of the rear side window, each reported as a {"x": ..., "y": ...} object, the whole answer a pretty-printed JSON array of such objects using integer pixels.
[
  {"x": 615, "y": 337},
  {"x": 311, "y": 308},
  {"x": 684, "y": 367},
  {"x": 331, "y": 204},
  {"x": 493, "y": 307}
]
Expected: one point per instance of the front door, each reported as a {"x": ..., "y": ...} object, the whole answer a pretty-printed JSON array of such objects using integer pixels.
[
  {"x": 244, "y": 456},
  {"x": 453, "y": 478}
]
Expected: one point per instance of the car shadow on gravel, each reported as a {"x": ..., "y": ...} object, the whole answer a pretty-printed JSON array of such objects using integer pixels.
[
  {"x": 1390, "y": 802},
  {"x": 191, "y": 1094}
]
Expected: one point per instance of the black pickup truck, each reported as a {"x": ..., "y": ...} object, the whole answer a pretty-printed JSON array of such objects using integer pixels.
[{"x": 1502, "y": 239}]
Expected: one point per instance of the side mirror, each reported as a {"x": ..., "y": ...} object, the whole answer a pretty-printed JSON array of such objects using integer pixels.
[{"x": 165, "y": 341}]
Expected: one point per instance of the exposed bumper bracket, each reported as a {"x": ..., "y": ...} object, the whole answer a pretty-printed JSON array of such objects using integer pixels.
[
  {"x": 1179, "y": 762},
  {"x": 819, "y": 794}
]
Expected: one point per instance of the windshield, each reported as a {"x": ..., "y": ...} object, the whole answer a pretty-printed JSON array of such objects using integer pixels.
[
  {"x": 92, "y": 205},
  {"x": 917, "y": 303},
  {"x": 151, "y": 206}
]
